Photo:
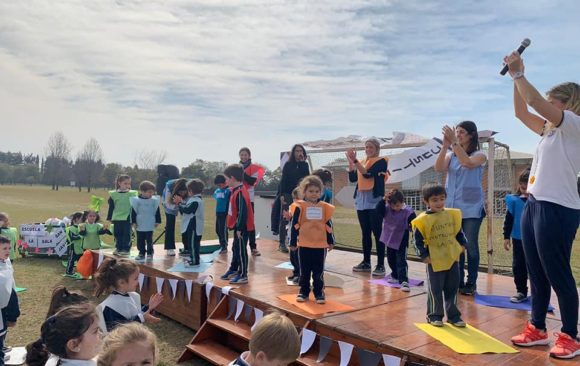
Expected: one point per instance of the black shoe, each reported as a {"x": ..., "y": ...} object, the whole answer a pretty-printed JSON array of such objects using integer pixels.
[
  {"x": 519, "y": 297},
  {"x": 362, "y": 267},
  {"x": 468, "y": 290}
]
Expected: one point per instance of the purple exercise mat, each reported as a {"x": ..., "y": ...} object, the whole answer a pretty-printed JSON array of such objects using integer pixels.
[{"x": 383, "y": 281}]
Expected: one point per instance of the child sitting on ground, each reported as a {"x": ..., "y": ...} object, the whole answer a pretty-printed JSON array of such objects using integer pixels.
[
  {"x": 123, "y": 305},
  {"x": 129, "y": 344},
  {"x": 62, "y": 297},
  {"x": 274, "y": 341}
]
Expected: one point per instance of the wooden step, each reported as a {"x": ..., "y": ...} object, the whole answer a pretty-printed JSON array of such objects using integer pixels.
[
  {"x": 213, "y": 352},
  {"x": 239, "y": 329},
  {"x": 309, "y": 359}
]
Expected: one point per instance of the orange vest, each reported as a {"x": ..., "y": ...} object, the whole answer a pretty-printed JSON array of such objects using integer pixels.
[
  {"x": 312, "y": 223},
  {"x": 367, "y": 184},
  {"x": 234, "y": 209}
]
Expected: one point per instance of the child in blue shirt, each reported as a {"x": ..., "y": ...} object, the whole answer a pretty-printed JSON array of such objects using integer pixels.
[
  {"x": 325, "y": 176},
  {"x": 222, "y": 200},
  {"x": 145, "y": 216},
  {"x": 511, "y": 229}
]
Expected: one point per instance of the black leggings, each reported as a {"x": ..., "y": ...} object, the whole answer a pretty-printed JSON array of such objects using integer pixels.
[{"x": 371, "y": 224}]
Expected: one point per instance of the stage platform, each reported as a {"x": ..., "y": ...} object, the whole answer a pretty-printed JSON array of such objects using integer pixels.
[{"x": 382, "y": 319}]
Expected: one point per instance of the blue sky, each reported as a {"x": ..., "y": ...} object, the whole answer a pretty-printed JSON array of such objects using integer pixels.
[{"x": 199, "y": 79}]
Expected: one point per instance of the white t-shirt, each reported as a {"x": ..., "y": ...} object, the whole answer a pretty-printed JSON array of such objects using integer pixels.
[{"x": 556, "y": 164}]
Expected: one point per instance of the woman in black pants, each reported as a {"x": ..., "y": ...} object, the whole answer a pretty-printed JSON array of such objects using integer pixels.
[
  {"x": 369, "y": 175},
  {"x": 293, "y": 171}
]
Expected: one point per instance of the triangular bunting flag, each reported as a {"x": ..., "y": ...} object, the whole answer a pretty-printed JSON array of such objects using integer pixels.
[
  {"x": 208, "y": 287},
  {"x": 159, "y": 282},
  {"x": 188, "y": 284},
  {"x": 308, "y": 338},
  {"x": 390, "y": 360},
  {"x": 239, "y": 308},
  {"x": 369, "y": 358},
  {"x": 258, "y": 315},
  {"x": 141, "y": 279},
  {"x": 345, "y": 352},
  {"x": 231, "y": 307},
  {"x": 101, "y": 258},
  {"x": 248, "y": 309},
  {"x": 173, "y": 284},
  {"x": 324, "y": 348}
]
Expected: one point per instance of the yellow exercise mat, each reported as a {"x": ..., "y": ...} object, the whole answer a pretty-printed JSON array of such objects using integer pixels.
[{"x": 468, "y": 340}]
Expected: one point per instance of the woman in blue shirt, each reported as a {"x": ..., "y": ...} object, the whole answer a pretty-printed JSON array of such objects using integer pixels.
[{"x": 464, "y": 168}]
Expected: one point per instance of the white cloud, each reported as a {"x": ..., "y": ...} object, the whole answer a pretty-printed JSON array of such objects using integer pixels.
[{"x": 202, "y": 78}]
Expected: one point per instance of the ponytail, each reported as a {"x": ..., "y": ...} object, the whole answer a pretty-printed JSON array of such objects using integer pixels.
[
  {"x": 36, "y": 353},
  {"x": 111, "y": 271}
]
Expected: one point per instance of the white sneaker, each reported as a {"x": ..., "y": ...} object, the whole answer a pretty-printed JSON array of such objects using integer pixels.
[{"x": 170, "y": 253}]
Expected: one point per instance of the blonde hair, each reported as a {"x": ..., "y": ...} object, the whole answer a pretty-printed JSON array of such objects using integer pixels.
[
  {"x": 296, "y": 194},
  {"x": 376, "y": 144},
  {"x": 122, "y": 337},
  {"x": 277, "y": 337},
  {"x": 569, "y": 94},
  {"x": 310, "y": 180}
]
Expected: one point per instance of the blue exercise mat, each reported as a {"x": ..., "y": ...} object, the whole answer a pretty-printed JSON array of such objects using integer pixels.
[
  {"x": 180, "y": 267},
  {"x": 504, "y": 302}
]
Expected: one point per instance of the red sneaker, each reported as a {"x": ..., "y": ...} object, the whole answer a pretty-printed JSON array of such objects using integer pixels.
[
  {"x": 566, "y": 346},
  {"x": 531, "y": 336}
]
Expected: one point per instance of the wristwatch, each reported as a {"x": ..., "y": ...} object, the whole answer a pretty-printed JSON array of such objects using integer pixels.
[{"x": 518, "y": 74}]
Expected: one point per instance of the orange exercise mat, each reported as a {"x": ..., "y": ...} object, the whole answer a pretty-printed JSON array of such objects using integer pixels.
[{"x": 312, "y": 307}]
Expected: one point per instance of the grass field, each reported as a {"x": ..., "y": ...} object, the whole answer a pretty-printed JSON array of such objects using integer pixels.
[{"x": 28, "y": 204}]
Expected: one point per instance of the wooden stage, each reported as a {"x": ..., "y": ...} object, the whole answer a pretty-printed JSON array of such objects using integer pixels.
[{"x": 382, "y": 319}]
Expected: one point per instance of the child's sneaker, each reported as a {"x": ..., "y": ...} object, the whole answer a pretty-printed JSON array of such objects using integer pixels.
[
  {"x": 435, "y": 323},
  {"x": 116, "y": 253},
  {"x": 519, "y": 297},
  {"x": 256, "y": 252},
  {"x": 140, "y": 257},
  {"x": 301, "y": 298},
  {"x": 149, "y": 257},
  {"x": 223, "y": 251},
  {"x": 226, "y": 276},
  {"x": 468, "y": 290},
  {"x": 531, "y": 336},
  {"x": 379, "y": 271},
  {"x": 457, "y": 323},
  {"x": 320, "y": 300},
  {"x": 239, "y": 280},
  {"x": 405, "y": 287},
  {"x": 565, "y": 346},
  {"x": 170, "y": 253},
  {"x": 392, "y": 280},
  {"x": 362, "y": 267}
]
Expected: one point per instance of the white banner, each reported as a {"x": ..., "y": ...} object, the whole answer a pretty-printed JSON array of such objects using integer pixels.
[{"x": 413, "y": 161}]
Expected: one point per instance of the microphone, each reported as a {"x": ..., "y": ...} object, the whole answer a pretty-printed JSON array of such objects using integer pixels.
[{"x": 525, "y": 43}]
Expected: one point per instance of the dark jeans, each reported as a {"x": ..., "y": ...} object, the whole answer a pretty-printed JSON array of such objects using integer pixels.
[
  {"x": 240, "y": 254},
  {"x": 145, "y": 242},
  {"x": 283, "y": 230},
  {"x": 295, "y": 263},
  {"x": 442, "y": 287},
  {"x": 311, "y": 265},
  {"x": 169, "y": 231},
  {"x": 252, "y": 234},
  {"x": 122, "y": 234},
  {"x": 397, "y": 260},
  {"x": 2, "y": 338},
  {"x": 371, "y": 224},
  {"x": 548, "y": 232},
  {"x": 471, "y": 230},
  {"x": 194, "y": 249},
  {"x": 519, "y": 267},
  {"x": 221, "y": 229},
  {"x": 72, "y": 258},
  {"x": 275, "y": 214}
]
